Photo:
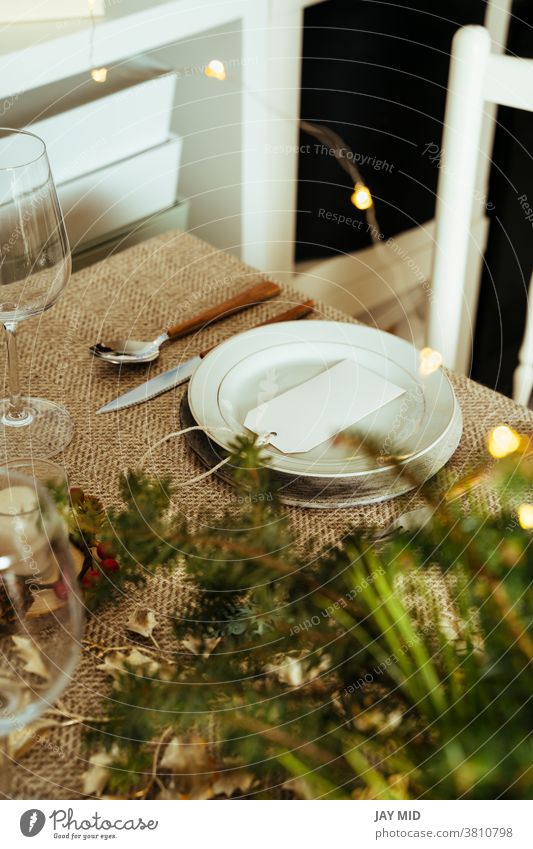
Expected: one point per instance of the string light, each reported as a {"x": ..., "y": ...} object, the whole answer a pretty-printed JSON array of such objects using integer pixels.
[
  {"x": 215, "y": 68},
  {"x": 430, "y": 361},
  {"x": 525, "y": 516},
  {"x": 502, "y": 441},
  {"x": 361, "y": 198},
  {"x": 99, "y": 75}
]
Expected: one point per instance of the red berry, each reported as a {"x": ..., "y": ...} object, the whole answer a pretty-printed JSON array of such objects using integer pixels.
[
  {"x": 61, "y": 590},
  {"x": 110, "y": 564},
  {"x": 90, "y": 577},
  {"x": 104, "y": 550}
]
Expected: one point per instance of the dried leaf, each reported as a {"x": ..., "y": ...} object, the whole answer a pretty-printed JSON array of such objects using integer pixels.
[
  {"x": 96, "y": 777},
  {"x": 44, "y": 603},
  {"x": 295, "y": 671},
  {"x": 200, "y": 646},
  {"x": 289, "y": 671},
  {"x": 142, "y": 621},
  {"x": 185, "y": 757},
  {"x": 234, "y": 781},
  {"x": 21, "y": 740},
  {"x": 115, "y": 663},
  {"x": 173, "y": 758},
  {"x": 30, "y": 654},
  {"x": 194, "y": 767}
]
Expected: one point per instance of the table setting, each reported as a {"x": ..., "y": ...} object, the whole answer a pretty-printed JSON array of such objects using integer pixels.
[{"x": 255, "y": 416}]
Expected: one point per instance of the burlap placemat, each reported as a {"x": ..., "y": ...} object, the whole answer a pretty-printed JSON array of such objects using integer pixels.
[{"x": 138, "y": 293}]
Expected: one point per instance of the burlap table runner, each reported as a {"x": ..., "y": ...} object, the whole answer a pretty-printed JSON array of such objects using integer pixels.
[{"x": 138, "y": 293}]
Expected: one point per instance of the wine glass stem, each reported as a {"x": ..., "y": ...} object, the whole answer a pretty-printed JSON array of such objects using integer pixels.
[{"x": 16, "y": 414}]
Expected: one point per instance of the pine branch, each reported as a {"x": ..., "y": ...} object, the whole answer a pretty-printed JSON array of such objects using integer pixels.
[{"x": 281, "y": 654}]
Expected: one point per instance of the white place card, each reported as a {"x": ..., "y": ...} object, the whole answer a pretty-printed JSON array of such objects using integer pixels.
[{"x": 309, "y": 414}]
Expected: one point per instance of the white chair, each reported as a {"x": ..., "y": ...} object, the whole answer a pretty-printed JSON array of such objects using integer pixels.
[{"x": 479, "y": 81}]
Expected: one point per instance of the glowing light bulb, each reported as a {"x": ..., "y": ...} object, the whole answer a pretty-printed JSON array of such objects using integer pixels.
[
  {"x": 99, "y": 75},
  {"x": 215, "y": 69},
  {"x": 361, "y": 198},
  {"x": 525, "y": 516},
  {"x": 502, "y": 441},
  {"x": 430, "y": 361}
]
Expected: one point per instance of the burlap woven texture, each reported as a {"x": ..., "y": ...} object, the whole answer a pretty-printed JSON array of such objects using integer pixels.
[{"x": 138, "y": 293}]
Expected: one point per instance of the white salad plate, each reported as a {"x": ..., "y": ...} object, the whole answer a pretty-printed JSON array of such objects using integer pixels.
[{"x": 407, "y": 440}]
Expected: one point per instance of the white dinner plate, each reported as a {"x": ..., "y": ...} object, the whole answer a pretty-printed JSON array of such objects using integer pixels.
[{"x": 422, "y": 426}]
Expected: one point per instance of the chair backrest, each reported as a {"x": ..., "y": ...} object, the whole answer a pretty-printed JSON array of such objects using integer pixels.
[{"x": 478, "y": 79}]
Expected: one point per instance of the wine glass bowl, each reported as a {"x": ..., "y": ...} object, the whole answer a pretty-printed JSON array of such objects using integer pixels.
[
  {"x": 40, "y": 602},
  {"x": 34, "y": 254},
  {"x": 35, "y": 267}
]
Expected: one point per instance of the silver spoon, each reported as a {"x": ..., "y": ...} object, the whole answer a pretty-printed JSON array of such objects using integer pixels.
[{"x": 120, "y": 351}]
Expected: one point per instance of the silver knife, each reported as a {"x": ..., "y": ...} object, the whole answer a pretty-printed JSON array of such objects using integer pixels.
[{"x": 180, "y": 374}]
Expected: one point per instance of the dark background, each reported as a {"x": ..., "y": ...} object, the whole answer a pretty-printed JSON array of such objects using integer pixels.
[{"x": 376, "y": 73}]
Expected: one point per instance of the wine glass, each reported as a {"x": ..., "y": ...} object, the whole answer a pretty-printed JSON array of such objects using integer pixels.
[
  {"x": 35, "y": 267},
  {"x": 40, "y": 605}
]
